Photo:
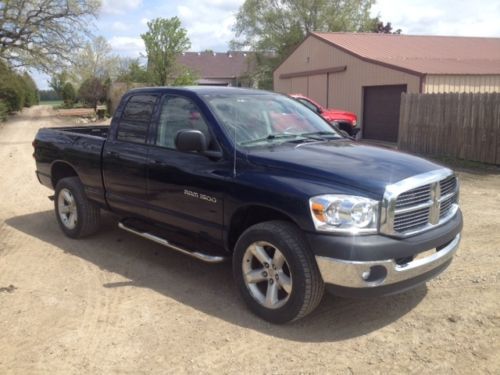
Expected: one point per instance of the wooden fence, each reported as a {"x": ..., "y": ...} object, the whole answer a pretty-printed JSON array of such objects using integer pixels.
[{"x": 465, "y": 126}]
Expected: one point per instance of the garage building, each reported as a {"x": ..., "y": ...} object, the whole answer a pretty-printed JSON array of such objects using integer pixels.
[{"x": 366, "y": 73}]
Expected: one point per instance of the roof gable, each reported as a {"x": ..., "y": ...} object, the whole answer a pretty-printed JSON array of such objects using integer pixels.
[{"x": 216, "y": 64}]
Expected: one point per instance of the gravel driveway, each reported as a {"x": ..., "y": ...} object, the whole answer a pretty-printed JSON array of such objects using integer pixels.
[{"x": 115, "y": 303}]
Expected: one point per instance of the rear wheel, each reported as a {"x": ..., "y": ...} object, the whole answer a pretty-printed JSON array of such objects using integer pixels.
[
  {"x": 76, "y": 215},
  {"x": 276, "y": 273}
]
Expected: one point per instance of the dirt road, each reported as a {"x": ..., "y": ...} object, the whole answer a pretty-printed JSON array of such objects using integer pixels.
[{"x": 114, "y": 303}]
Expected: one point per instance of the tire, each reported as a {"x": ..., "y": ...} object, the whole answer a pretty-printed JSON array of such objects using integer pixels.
[
  {"x": 290, "y": 287},
  {"x": 76, "y": 215}
]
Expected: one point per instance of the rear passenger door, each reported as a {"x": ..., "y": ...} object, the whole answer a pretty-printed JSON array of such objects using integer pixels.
[
  {"x": 186, "y": 188},
  {"x": 125, "y": 156}
]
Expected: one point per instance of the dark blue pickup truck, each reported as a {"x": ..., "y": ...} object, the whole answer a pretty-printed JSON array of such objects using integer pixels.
[{"x": 219, "y": 173}]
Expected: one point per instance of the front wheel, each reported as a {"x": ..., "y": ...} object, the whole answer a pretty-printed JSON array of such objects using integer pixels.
[
  {"x": 76, "y": 215},
  {"x": 276, "y": 273}
]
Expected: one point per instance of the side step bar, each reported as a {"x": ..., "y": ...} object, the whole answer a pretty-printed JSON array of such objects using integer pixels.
[{"x": 204, "y": 257}]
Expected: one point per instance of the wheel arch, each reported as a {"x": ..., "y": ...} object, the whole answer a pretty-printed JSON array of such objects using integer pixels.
[
  {"x": 61, "y": 169},
  {"x": 251, "y": 214}
]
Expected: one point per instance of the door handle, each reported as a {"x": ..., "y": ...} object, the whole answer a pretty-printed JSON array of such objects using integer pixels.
[{"x": 159, "y": 163}]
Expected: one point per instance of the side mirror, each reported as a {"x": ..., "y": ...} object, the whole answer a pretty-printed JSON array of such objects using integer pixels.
[
  {"x": 319, "y": 111},
  {"x": 190, "y": 141}
]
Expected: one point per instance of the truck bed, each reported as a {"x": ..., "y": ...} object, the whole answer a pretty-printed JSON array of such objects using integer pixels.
[
  {"x": 95, "y": 131},
  {"x": 77, "y": 147}
]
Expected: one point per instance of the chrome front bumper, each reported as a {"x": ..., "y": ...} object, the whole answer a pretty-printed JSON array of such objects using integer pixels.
[{"x": 368, "y": 274}]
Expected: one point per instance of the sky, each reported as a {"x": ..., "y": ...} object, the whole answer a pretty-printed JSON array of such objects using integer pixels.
[{"x": 209, "y": 22}]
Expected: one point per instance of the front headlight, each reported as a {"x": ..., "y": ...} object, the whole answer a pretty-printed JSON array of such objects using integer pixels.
[{"x": 344, "y": 214}]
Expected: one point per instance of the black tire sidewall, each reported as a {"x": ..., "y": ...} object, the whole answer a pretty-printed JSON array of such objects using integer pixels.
[{"x": 288, "y": 246}]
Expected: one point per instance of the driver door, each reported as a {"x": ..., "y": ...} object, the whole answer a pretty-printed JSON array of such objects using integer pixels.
[{"x": 185, "y": 189}]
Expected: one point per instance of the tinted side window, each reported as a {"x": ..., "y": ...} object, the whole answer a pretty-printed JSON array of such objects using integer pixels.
[
  {"x": 179, "y": 113},
  {"x": 136, "y": 117}
]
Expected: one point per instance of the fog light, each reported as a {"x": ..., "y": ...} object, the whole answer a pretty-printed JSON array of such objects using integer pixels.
[{"x": 375, "y": 275}]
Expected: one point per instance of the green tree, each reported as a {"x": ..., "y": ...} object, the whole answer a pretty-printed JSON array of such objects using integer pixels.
[
  {"x": 378, "y": 26},
  {"x": 12, "y": 89},
  {"x": 92, "y": 91},
  {"x": 184, "y": 77},
  {"x": 4, "y": 110},
  {"x": 94, "y": 59},
  {"x": 16, "y": 90},
  {"x": 131, "y": 71},
  {"x": 272, "y": 28},
  {"x": 279, "y": 25},
  {"x": 57, "y": 82},
  {"x": 164, "y": 41},
  {"x": 42, "y": 33},
  {"x": 31, "y": 96},
  {"x": 68, "y": 94}
]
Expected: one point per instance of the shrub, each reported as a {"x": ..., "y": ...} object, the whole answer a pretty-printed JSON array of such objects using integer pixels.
[
  {"x": 30, "y": 90},
  {"x": 12, "y": 94},
  {"x": 92, "y": 91},
  {"x": 68, "y": 95},
  {"x": 16, "y": 90},
  {"x": 4, "y": 110}
]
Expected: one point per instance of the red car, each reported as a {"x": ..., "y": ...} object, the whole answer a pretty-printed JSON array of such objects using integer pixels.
[{"x": 346, "y": 121}]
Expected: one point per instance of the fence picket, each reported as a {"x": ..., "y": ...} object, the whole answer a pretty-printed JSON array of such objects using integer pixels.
[{"x": 465, "y": 126}]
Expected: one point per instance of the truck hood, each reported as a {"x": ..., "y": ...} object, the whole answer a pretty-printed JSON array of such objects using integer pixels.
[
  {"x": 344, "y": 162},
  {"x": 338, "y": 115}
]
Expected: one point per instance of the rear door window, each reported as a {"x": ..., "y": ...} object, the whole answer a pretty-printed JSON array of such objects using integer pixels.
[{"x": 136, "y": 118}]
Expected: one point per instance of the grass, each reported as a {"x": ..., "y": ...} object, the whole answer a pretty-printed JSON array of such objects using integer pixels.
[{"x": 51, "y": 102}]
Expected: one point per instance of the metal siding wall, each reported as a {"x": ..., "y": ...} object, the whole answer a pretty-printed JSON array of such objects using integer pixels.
[
  {"x": 299, "y": 85},
  {"x": 346, "y": 88},
  {"x": 436, "y": 84},
  {"x": 317, "y": 88}
]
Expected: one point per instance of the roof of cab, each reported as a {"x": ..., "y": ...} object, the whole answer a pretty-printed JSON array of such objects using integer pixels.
[{"x": 201, "y": 90}]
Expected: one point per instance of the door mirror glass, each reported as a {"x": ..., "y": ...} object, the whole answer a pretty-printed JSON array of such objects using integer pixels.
[{"x": 190, "y": 141}]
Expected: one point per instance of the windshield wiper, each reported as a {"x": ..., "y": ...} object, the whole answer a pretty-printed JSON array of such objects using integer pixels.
[
  {"x": 320, "y": 135},
  {"x": 271, "y": 137}
]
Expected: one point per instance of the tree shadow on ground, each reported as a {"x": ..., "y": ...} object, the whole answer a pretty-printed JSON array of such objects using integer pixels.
[{"x": 210, "y": 288}]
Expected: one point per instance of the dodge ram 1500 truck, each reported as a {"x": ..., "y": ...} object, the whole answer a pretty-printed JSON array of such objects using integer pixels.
[{"x": 213, "y": 173}]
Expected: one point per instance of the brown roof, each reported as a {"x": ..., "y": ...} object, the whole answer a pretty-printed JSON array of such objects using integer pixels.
[
  {"x": 422, "y": 54},
  {"x": 216, "y": 64}
]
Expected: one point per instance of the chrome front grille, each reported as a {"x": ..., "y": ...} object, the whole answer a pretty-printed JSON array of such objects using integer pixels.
[
  {"x": 448, "y": 185},
  {"x": 446, "y": 206},
  {"x": 411, "y": 220},
  {"x": 414, "y": 197},
  {"x": 419, "y": 203}
]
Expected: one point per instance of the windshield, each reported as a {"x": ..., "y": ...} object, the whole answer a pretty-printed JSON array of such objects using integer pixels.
[{"x": 258, "y": 119}]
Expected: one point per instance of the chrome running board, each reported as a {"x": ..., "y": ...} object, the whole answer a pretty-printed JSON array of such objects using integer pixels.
[{"x": 204, "y": 257}]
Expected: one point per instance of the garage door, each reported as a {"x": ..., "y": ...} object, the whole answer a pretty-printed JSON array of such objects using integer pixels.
[{"x": 381, "y": 112}]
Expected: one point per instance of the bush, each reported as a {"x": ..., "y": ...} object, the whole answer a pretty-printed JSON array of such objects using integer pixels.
[
  {"x": 16, "y": 91},
  {"x": 92, "y": 91},
  {"x": 68, "y": 95},
  {"x": 30, "y": 90},
  {"x": 4, "y": 110},
  {"x": 12, "y": 95}
]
